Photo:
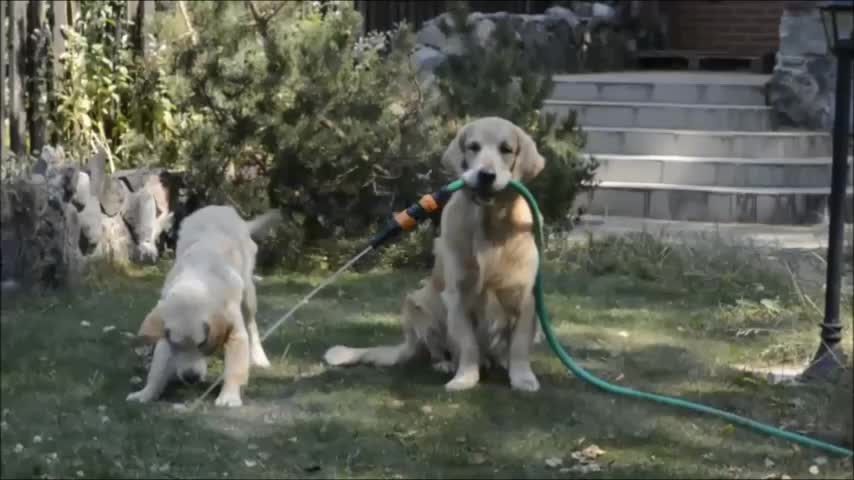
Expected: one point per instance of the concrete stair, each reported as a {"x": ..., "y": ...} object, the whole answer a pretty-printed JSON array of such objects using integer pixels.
[{"x": 695, "y": 146}]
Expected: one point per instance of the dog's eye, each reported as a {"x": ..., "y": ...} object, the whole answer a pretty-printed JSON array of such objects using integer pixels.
[
  {"x": 505, "y": 149},
  {"x": 474, "y": 147}
]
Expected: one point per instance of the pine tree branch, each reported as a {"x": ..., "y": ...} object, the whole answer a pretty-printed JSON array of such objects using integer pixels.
[{"x": 194, "y": 38}]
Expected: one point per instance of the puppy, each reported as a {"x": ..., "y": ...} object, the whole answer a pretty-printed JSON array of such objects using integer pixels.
[
  {"x": 208, "y": 303},
  {"x": 478, "y": 307}
]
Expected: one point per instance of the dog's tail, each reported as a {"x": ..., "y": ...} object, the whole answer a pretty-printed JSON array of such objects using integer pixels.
[
  {"x": 383, "y": 356},
  {"x": 260, "y": 225}
]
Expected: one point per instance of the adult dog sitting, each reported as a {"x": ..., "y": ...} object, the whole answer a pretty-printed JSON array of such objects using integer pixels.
[
  {"x": 208, "y": 303},
  {"x": 478, "y": 307}
]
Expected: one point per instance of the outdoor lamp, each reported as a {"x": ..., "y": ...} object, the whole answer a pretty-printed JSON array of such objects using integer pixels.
[{"x": 838, "y": 19}]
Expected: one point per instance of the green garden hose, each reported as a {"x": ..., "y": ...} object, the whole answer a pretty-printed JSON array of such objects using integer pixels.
[{"x": 580, "y": 372}]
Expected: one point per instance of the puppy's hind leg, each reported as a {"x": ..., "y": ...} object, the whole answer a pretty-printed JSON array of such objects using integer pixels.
[{"x": 162, "y": 369}]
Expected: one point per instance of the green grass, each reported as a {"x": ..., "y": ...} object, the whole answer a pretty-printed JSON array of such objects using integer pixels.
[{"x": 622, "y": 308}]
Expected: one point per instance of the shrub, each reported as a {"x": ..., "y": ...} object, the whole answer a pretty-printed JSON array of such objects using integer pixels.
[
  {"x": 309, "y": 115},
  {"x": 471, "y": 84}
]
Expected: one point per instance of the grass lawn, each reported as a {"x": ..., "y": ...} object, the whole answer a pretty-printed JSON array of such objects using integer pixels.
[{"x": 661, "y": 324}]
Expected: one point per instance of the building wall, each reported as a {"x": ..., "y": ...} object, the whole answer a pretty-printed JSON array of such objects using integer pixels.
[{"x": 751, "y": 27}]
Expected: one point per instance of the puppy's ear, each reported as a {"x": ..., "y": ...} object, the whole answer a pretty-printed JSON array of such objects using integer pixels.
[
  {"x": 218, "y": 329},
  {"x": 454, "y": 155},
  {"x": 152, "y": 328},
  {"x": 529, "y": 162}
]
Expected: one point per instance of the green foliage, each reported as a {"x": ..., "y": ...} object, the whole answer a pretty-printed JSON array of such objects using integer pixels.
[
  {"x": 496, "y": 80},
  {"x": 294, "y": 102},
  {"x": 111, "y": 97}
]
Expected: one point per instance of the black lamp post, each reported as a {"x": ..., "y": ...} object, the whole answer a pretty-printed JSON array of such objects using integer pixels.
[{"x": 838, "y": 19}]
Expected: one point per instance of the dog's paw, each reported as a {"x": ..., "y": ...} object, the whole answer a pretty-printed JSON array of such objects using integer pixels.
[
  {"x": 259, "y": 359},
  {"x": 444, "y": 366},
  {"x": 463, "y": 380},
  {"x": 524, "y": 380},
  {"x": 141, "y": 396},
  {"x": 340, "y": 355},
  {"x": 228, "y": 399}
]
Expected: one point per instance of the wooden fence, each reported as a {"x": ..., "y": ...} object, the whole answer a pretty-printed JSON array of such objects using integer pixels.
[{"x": 32, "y": 36}]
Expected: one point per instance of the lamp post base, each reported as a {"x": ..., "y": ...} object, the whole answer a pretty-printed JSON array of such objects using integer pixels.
[{"x": 827, "y": 365}]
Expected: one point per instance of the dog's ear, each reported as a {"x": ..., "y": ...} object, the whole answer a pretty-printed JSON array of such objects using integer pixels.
[
  {"x": 152, "y": 328},
  {"x": 529, "y": 162},
  {"x": 454, "y": 155},
  {"x": 218, "y": 329}
]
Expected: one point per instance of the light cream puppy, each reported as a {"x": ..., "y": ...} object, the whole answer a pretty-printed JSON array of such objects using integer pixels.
[
  {"x": 207, "y": 303},
  {"x": 486, "y": 264}
]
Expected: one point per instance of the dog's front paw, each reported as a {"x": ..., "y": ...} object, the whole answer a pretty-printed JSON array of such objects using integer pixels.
[
  {"x": 463, "y": 380},
  {"x": 340, "y": 355},
  {"x": 228, "y": 399},
  {"x": 524, "y": 380},
  {"x": 444, "y": 366},
  {"x": 142, "y": 396}
]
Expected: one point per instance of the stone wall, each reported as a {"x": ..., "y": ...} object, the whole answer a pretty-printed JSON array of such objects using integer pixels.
[
  {"x": 802, "y": 87},
  {"x": 561, "y": 40},
  {"x": 58, "y": 217}
]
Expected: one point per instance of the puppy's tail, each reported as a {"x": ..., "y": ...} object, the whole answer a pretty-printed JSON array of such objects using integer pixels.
[
  {"x": 261, "y": 225},
  {"x": 384, "y": 356}
]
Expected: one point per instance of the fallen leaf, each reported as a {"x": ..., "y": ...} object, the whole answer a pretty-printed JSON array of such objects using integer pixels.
[
  {"x": 264, "y": 456},
  {"x": 820, "y": 461},
  {"x": 728, "y": 429},
  {"x": 250, "y": 463},
  {"x": 461, "y": 439},
  {"x": 769, "y": 463},
  {"x": 85, "y": 324},
  {"x": 477, "y": 458},
  {"x": 785, "y": 477},
  {"x": 135, "y": 380},
  {"x": 105, "y": 419},
  {"x": 619, "y": 377},
  {"x": 623, "y": 334},
  {"x": 293, "y": 439},
  {"x": 80, "y": 473},
  {"x": 252, "y": 446},
  {"x": 37, "y": 439},
  {"x": 427, "y": 409},
  {"x": 19, "y": 448},
  {"x": 102, "y": 408},
  {"x": 108, "y": 329},
  {"x": 395, "y": 403},
  {"x": 554, "y": 462},
  {"x": 814, "y": 470},
  {"x": 52, "y": 457}
]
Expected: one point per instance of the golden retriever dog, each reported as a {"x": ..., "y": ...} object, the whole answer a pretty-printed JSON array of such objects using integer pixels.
[
  {"x": 478, "y": 306},
  {"x": 208, "y": 303}
]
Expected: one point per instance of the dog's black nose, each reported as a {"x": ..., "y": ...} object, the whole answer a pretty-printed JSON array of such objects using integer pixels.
[
  {"x": 190, "y": 377},
  {"x": 485, "y": 178}
]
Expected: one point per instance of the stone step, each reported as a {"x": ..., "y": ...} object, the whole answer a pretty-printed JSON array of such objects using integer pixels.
[
  {"x": 665, "y": 115},
  {"x": 721, "y": 172},
  {"x": 707, "y": 143},
  {"x": 663, "y": 87},
  {"x": 785, "y": 206}
]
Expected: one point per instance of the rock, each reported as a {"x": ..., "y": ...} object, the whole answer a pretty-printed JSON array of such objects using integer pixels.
[
  {"x": 564, "y": 14},
  {"x": 112, "y": 196},
  {"x": 802, "y": 33},
  {"x": 49, "y": 157},
  {"x": 431, "y": 35},
  {"x": 426, "y": 59},
  {"x": 140, "y": 213},
  {"x": 91, "y": 228},
  {"x": 802, "y": 86},
  {"x": 604, "y": 11},
  {"x": 483, "y": 31},
  {"x": 97, "y": 169},
  {"x": 136, "y": 179},
  {"x": 82, "y": 192},
  {"x": 582, "y": 9},
  {"x": 154, "y": 185},
  {"x": 116, "y": 240}
]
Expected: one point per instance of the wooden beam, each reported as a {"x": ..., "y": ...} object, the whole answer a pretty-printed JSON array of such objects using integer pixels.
[
  {"x": 17, "y": 115},
  {"x": 3, "y": 54},
  {"x": 60, "y": 19}
]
